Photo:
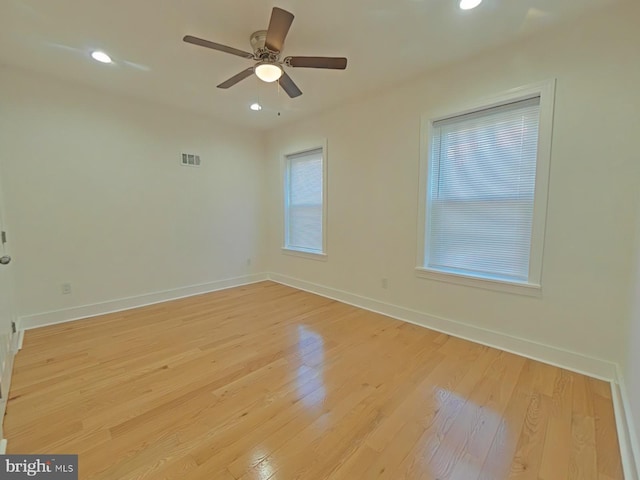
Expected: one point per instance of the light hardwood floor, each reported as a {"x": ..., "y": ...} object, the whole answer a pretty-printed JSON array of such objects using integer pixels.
[{"x": 268, "y": 382}]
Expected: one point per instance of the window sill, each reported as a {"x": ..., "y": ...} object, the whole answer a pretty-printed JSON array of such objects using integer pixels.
[
  {"x": 528, "y": 289},
  {"x": 305, "y": 254}
]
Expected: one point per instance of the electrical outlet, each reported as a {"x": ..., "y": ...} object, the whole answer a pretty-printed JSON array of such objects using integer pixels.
[
  {"x": 248, "y": 262},
  {"x": 385, "y": 283},
  {"x": 66, "y": 288}
]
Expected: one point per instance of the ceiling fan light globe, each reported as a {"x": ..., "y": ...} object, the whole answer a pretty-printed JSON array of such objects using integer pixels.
[{"x": 268, "y": 72}]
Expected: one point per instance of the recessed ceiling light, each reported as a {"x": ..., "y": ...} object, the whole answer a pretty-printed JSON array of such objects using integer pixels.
[
  {"x": 101, "y": 57},
  {"x": 469, "y": 4},
  {"x": 256, "y": 107}
]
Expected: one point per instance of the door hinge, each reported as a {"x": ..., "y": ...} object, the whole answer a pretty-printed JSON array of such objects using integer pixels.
[
  {"x": 4, "y": 237},
  {"x": 13, "y": 327}
]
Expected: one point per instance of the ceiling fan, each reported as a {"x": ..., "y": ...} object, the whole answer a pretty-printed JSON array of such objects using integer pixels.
[{"x": 267, "y": 46}]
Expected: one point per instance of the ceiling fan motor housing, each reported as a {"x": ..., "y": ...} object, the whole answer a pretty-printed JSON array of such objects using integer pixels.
[
  {"x": 260, "y": 51},
  {"x": 257, "y": 40}
]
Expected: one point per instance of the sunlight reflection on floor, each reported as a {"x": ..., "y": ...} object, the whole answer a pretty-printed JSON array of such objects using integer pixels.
[{"x": 310, "y": 348}]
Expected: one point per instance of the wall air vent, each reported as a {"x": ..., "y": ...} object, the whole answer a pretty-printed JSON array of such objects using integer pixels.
[{"x": 190, "y": 160}]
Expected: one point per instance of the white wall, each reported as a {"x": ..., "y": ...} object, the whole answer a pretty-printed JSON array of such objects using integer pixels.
[
  {"x": 631, "y": 366},
  {"x": 96, "y": 196},
  {"x": 373, "y": 187}
]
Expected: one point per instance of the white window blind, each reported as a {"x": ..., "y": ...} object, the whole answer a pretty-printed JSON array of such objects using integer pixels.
[
  {"x": 480, "y": 196},
  {"x": 303, "y": 201}
]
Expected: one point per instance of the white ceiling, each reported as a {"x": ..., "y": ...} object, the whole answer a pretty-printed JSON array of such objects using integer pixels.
[{"x": 384, "y": 40}]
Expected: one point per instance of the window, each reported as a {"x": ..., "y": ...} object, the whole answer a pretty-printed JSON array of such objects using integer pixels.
[
  {"x": 486, "y": 189},
  {"x": 304, "y": 202}
]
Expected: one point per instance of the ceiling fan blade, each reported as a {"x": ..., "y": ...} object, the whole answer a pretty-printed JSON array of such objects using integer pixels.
[
  {"x": 237, "y": 78},
  {"x": 336, "y": 63},
  {"x": 279, "y": 25},
  {"x": 289, "y": 86},
  {"x": 217, "y": 46}
]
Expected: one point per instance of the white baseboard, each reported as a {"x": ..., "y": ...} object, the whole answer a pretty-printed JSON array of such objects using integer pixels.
[
  {"x": 573, "y": 361},
  {"x": 18, "y": 338},
  {"x": 627, "y": 435},
  {"x": 85, "y": 311},
  {"x": 6, "y": 382}
]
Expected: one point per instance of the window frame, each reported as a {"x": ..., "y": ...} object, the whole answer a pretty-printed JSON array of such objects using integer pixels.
[
  {"x": 533, "y": 286},
  {"x": 285, "y": 163}
]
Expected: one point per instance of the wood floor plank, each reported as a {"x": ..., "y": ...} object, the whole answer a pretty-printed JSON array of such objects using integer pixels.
[
  {"x": 557, "y": 446},
  {"x": 449, "y": 399},
  {"x": 526, "y": 464},
  {"x": 502, "y": 459},
  {"x": 583, "y": 461},
  {"x": 608, "y": 465},
  {"x": 487, "y": 410},
  {"x": 498, "y": 462},
  {"x": 600, "y": 387},
  {"x": 268, "y": 382},
  {"x": 353, "y": 466}
]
